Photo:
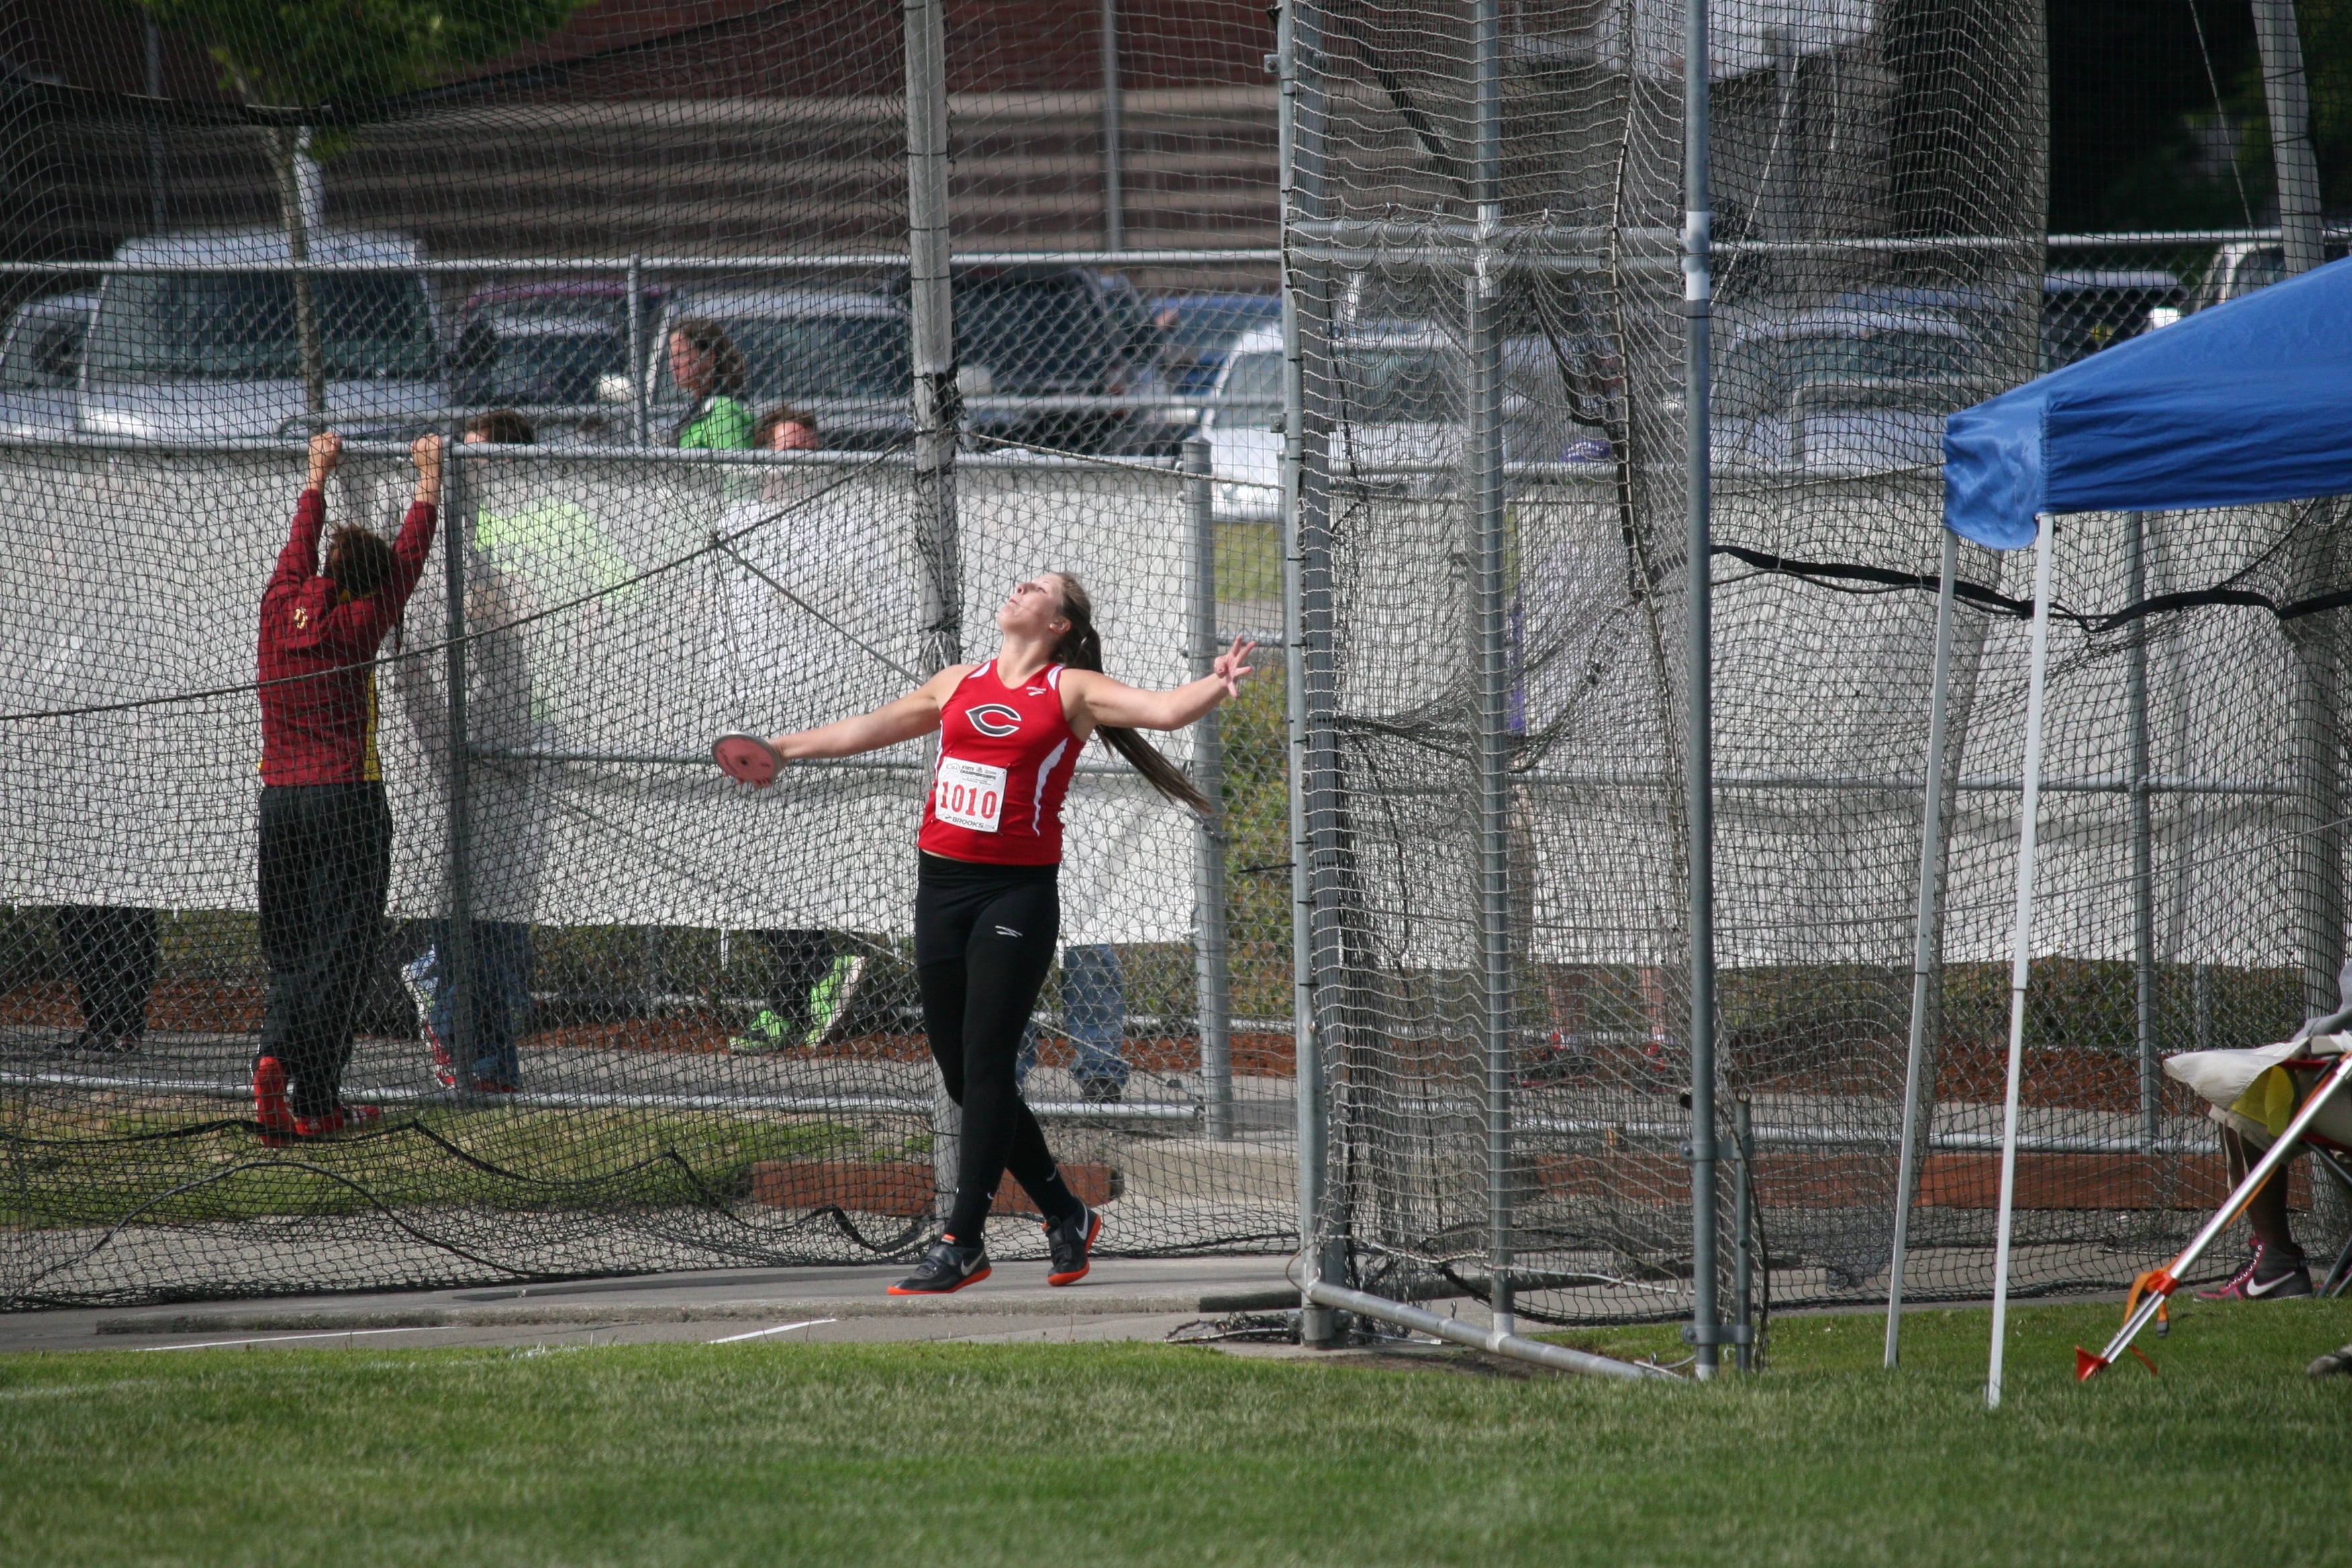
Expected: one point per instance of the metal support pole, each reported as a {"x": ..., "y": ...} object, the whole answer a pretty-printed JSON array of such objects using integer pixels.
[
  {"x": 932, "y": 314},
  {"x": 1307, "y": 632},
  {"x": 456, "y": 954},
  {"x": 159, "y": 207},
  {"x": 1743, "y": 1279},
  {"x": 2317, "y": 865},
  {"x": 1114, "y": 197},
  {"x": 640, "y": 371},
  {"x": 1211, "y": 957},
  {"x": 1482, "y": 310},
  {"x": 938, "y": 409},
  {"x": 1698, "y": 291},
  {"x": 2021, "y": 947},
  {"x": 2286, "y": 97},
  {"x": 1918, "y": 1087},
  {"x": 2143, "y": 850}
]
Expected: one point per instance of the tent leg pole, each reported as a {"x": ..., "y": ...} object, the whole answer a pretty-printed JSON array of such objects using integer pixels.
[
  {"x": 1923, "y": 949},
  {"x": 2021, "y": 947},
  {"x": 2143, "y": 854}
]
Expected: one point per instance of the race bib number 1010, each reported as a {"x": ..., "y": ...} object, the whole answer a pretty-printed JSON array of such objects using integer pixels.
[{"x": 969, "y": 795}]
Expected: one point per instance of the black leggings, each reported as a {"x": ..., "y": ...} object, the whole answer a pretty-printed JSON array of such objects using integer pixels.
[
  {"x": 326, "y": 862},
  {"x": 984, "y": 938}
]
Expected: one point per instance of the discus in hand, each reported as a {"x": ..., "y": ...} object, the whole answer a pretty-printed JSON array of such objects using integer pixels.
[{"x": 747, "y": 758}]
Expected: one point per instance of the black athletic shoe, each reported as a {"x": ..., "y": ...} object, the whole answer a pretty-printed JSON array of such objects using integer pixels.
[
  {"x": 945, "y": 1269},
  {"x": 1070, "y": 1241},
  {"x": 2264, "y": 1279}
]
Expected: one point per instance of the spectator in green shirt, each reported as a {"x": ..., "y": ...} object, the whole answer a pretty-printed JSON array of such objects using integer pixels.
[{"x": 709, "y": 368}]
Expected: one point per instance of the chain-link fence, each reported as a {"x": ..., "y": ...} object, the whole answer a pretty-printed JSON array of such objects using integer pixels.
[
  {"x": 663, "y": 270},
  {"x": 621, "y": 1012}
]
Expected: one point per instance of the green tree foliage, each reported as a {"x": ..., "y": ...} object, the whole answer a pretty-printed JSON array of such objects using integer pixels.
[
  {"x": 2326, "y": 28},
  {"x": 346, "y": 53},
  {"x": 342, "y": 54}
]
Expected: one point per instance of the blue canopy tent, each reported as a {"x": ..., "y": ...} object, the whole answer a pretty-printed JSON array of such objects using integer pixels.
[
  {"x": 2245, "y": 403},
  {"x": 2248, "y": 402}
]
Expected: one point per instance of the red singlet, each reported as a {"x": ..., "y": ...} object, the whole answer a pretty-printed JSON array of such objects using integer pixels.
[{"x": 1006, "y": 755}]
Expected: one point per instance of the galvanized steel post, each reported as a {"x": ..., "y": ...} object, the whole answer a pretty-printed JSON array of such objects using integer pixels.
[
  {"x": 1698, "y": 291},
  {"x": 938, "y": 408},
  {"x": 1306, "y": 628},
  {"x": 1212, "y": 961},
  {"x": 1482, "y": 310},
  {"x": 1918, "y": 1085},
  {"x": 455, "y": 957}
]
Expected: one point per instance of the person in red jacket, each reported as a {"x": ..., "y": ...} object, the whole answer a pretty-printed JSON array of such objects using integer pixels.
[{"x": 326, "y": 827}]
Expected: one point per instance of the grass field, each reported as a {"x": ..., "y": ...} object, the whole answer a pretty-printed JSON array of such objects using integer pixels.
[{"x": 1143, "y": 1454}]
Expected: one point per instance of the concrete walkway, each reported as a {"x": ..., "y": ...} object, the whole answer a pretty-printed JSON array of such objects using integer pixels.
[{"x": 1122, "y": 1299}]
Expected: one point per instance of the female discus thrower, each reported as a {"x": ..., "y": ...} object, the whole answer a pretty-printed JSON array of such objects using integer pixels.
[{"x": 987, "y": 911}]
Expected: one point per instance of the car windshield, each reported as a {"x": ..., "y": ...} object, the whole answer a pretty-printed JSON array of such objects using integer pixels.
[
  {"x": 241, "y": 326},
  {"x": 1381, "y": 386},
  {"x": 1254, "y": 378},
  {"x": 44, "y": 351},
  {"x": 1769, "y": 371},
  {"x": 554, "y": 367},
  {"x": 1036, "y": 338},
  {"x": 819, "y": 357},
  {"x": 1198, "y": 327}
]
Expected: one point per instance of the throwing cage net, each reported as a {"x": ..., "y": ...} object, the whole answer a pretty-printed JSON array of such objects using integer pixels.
[
  {"x": 622, "y": 1014},
  {"x": 1485, "y": 240},
  {"x": 619, "y": 1013}
]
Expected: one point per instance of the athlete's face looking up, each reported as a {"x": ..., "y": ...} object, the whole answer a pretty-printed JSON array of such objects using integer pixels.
[{"x": 1033, "y": 609}]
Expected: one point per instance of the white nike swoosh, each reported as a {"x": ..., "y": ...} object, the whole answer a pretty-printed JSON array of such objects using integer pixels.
[{"x": 2251, "y": 1289}]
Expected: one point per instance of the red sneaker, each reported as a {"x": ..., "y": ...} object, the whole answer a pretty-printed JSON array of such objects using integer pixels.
[
  {"x": 342, "y": 1118},
  {"x": 490, "y": 1086},
  {"x": 270, "y": 1109}
]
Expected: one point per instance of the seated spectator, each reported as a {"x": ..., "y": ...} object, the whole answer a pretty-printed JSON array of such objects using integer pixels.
[
  {"x": 111, "y": 952},
  {"x": 523, "y": 563},
  {"x": 785, "y": 430},
  {"x": 709, "y": 368},
  {"x": 1093, "y": 1019},
  {"x": 810, "y": 979}
]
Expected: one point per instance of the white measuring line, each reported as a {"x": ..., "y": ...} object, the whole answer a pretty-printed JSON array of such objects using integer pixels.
[
  {"x": 280, "y": 1339},
  {"x": 763, "y": 1333}
]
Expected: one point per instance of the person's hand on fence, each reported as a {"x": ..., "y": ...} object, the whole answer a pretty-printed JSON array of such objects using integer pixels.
[
  {"x": 1230, "y": 668},
  {"x": 326, "y": 451},
  {"x": 425, "y": 453}
]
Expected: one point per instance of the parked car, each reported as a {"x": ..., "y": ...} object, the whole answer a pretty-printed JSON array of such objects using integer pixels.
[
  {"x": 549, "y": 349},
  {"x": 1196, "y": 331},
  {"x": 1036, "y": 345},
  {"x": 1843, "y": 390},
  {"x": 1399, "y": 395},
  {"x": 181, "y": 355},
  {"x": 839, "y": 353},
  {"x": 2085, "y": 310},
  {"x": 2241, "y": 266},
  {"x": 40, "y": 363}
]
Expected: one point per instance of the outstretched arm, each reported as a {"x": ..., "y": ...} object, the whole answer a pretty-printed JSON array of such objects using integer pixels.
[
  {"x": 917, "y": 713},
  {"x": 1102, "y": 701}
]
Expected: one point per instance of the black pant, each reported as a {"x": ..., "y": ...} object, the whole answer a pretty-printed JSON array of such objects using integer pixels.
[
  {"x": 111, "y": 952},
  {"x": 801, "y": 960},
  {"x": 326, "y": 865},
  {"x": 984, "y": 938}
]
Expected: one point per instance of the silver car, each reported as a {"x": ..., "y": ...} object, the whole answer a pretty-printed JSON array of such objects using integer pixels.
[
  {"x": 40, "y": 364},
  {"x": 181, "y": 355},
  {"x": 1844, "y": 391}
]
